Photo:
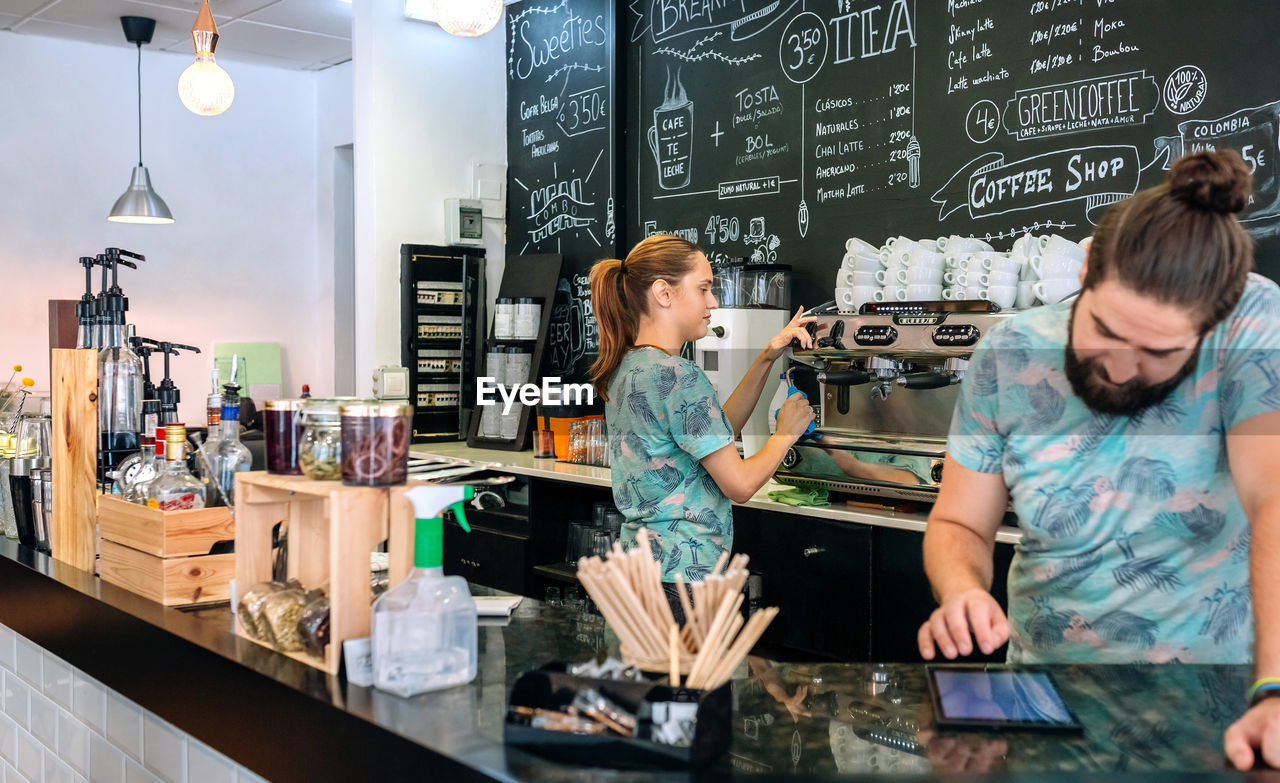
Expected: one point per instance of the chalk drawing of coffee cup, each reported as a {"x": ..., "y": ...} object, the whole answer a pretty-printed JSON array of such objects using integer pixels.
[{"x": 671, "y": 137}]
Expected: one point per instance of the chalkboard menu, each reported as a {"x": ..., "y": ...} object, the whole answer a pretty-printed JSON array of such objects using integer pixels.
[
  {"x": 777, "y": 129},
  {"x": 561, "y": 154}
]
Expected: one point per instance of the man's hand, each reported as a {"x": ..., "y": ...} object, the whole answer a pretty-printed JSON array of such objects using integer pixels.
[
  {"x": 962, "y": 618},
  {"x": 1259, "y": 728}
]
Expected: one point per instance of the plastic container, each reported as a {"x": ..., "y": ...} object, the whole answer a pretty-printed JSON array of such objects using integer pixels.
[
  {"x": 282, "y": 424},
  {"x": 504, "y": 315},
  {"x": 425, "y": 629},
  {"x": 528, "y": 318},
  {"x": 375, "y": 443}
]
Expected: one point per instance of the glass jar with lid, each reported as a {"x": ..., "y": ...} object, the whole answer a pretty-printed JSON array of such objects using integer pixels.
[
  {"x": 320, "y": 450},
  {"x": 282, "y": 426},
  {"x": 375, "y": 443}
]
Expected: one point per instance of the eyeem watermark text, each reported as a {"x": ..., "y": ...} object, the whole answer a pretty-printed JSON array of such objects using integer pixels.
[{"x": 551, "y": 392}]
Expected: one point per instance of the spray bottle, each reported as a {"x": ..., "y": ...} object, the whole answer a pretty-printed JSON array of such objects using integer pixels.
[{"x": 424, "y": 629}]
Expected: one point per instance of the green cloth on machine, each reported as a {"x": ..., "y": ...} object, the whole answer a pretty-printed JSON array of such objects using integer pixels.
[{"x": 794, "y": 496}]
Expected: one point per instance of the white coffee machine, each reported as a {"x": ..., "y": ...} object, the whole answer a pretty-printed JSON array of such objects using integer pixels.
[{"x": 754, "y": 306}]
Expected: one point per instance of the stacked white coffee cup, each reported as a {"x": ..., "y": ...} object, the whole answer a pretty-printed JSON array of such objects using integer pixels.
[{"x": 1043, "y": 268}]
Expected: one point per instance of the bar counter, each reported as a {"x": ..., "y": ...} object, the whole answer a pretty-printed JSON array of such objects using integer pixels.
[{"x": 288, "y": 722}]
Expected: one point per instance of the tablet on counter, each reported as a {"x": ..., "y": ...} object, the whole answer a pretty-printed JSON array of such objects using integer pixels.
[{"x": 978, "y": 697}]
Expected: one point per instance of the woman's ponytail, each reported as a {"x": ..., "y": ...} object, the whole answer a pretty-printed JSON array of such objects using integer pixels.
[
  {"x": 616, "y": 326},
  {"x": 620, "y": 295}
]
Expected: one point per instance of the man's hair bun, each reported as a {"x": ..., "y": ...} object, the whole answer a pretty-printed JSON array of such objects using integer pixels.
[{"x": 1214, "y": 181}]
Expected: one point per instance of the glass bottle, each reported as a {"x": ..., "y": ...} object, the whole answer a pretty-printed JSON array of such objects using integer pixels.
[
  {"x": 145, "y": 471},
  {"x": 175, "y": 489},
  {"x": 424, "y": 629},
  {"x": 8, "y": 522},
  {"x": 230, "y": 455},
  {"x": 143, "y": 484},
  {"x": 119, "y": 394}
]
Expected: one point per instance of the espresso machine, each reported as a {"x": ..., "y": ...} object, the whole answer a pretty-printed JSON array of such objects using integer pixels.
[{"x": 886, "y": 380}]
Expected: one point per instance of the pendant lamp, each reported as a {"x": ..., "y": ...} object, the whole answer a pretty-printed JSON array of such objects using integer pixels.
[
  {"x": 140, "y": 203},
  {"x": 204, "y": 87},
  {"x": 468, "y": 18}
]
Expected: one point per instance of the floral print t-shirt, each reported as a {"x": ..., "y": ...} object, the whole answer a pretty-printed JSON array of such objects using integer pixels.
[
  {"x": 663, "y": 417},
  {"x": 1134, "y": 544}
]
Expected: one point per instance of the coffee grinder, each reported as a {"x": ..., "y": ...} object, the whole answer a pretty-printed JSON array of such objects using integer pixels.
[{"x": 755, "y": 302}]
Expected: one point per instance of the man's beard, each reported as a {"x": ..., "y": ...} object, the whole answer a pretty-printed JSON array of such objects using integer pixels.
[{"x": 1127, "y": 399}]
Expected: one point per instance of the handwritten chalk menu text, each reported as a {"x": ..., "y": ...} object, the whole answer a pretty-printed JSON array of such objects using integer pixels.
[
  {"x": 562, "y": 124},
  {"x": 777, "y": 129}
]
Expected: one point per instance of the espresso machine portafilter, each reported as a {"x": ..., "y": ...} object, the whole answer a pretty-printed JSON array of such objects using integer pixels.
[{"x": 887, "y": 379}]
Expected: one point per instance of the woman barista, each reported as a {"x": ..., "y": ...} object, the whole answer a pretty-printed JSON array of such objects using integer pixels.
[{"x": 675, "y": 468}]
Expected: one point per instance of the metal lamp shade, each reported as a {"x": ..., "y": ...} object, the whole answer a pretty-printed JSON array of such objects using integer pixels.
[{"x": 140, "y": 203}]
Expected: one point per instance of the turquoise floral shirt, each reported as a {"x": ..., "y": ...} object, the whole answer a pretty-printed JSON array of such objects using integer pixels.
[
  {"x": 1134, "y": 544},
  {"x": 663, "y": 418}
]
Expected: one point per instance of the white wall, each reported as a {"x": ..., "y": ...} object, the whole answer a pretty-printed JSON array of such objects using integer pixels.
[
  {"x": 333, "y": 128},
  {"x": 240, "y": 263},
  {"x": 428, "y": 106}
]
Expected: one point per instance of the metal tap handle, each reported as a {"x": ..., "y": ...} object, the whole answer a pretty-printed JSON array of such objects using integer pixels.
[
  {"x": 128, "y": 253},
  {"x": 845, "y": 378},
  {"x": 924, "y": 380}
]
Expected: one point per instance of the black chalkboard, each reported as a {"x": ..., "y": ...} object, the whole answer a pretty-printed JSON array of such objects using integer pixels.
[
  {"x": 562, "y": 130},
  {"x": 777, "y": 129}
]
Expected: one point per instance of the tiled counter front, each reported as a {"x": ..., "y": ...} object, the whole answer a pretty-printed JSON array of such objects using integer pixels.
[{"x": 61, "y": 725}]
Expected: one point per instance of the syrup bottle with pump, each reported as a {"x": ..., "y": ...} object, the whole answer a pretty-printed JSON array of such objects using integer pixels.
[{"x": 424, "y": 629}]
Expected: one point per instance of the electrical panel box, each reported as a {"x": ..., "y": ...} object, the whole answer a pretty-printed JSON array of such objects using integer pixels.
[{"x": 464, "y": 221}]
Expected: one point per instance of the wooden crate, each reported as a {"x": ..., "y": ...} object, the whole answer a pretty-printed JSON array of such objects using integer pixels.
[
  {"x": 164, "y": 555},
  {"x": 332, "y": 530},
  {"x": 75, "y": 455}
]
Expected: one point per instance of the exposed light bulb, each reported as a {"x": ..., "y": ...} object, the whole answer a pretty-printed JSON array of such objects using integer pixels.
[
  {"x": 468, "y": 18},
  {"x": 205, "y": 88}
]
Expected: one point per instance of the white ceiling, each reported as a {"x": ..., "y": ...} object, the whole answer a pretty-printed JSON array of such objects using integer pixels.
[{"x": 299, "y": 34}]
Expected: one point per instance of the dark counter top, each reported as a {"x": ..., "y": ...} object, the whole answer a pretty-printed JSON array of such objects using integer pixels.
[{"x": 289, "y": 722}]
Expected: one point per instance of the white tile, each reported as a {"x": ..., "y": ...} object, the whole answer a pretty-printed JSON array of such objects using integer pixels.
[
  {"x": 8, "y": 738},
  {"x": 106, "y": 762},
  {"x": 206, "y": 765},
  {"x": 122, "y": 724},
  {"x": 6, "y": 647},
  {"x": 30, "y": 756},
  {"x": 56, "y": 771},
  {"x": 245, "y": 776},
  {"x": 16, "y": 693},
  {"x": 73, "y": 742},
  {"x": 134, "y": 773},
  {"x": 44, "y": 720},
  {"x": 29, "y": 658},
  {"x": 163, "y": 749},
  {"x": 86, "y": 701},
  {"x": 57, "y": 680},
  {"x": 11, "y": 774}
]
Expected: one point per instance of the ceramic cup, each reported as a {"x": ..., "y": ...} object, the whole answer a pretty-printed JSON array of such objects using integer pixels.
[
  {"x": 1001, "y": 263},
  {"x": 861, "y": 262},
  {"x": 1055, "y": 289},
  {"x": 855, "y": 245},
  {"x": 974, "y": 292},
  {"x": 1003, "y": 295},
  {"x": 1026, "y": 295},
  {"x": 921, "y": 292},
  {"x": 1056, "y": 245},
  {"x": 955, "y": 277},
  {"x": 921, "y": 257},
  {"x": 1025, "y": 246},
  {"x": 1055, "y": 266},
  {"x": 958, "y": 244},
  {"x": 847, "y": 278},
  {"x": 953, "y": 293},
  {"x": 920, "y": 274},
  {"x": 929, "y": 244},
  {"x": 892, "y": 293},
  {"x": 998, "y": 278}
]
